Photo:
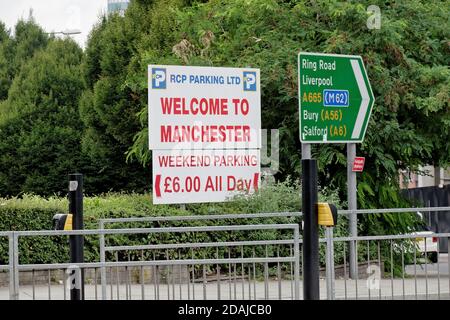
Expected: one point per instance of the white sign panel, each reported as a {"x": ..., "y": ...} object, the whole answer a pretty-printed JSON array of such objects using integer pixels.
[
  {"x": 204, "y": 107},
  {"x": 192, "y": 176}
]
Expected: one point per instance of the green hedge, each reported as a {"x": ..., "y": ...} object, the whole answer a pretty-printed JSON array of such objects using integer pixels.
[{"x": 35, "y": 213}]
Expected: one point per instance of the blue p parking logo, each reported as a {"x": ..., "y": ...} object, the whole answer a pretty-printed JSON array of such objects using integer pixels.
[
  {"x": 158, "y": 78},
  {"x": 249, "y": 81}
]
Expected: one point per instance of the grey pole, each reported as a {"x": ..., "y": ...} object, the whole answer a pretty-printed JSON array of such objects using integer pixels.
[
  {"x": 352, "y": 205},
  {"x": 330, "y": 264},
  {"x": 103, "y": 260}
]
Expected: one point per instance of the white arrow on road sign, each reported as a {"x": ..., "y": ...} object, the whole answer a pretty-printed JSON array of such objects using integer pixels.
[{"x": 364, "y": 96}]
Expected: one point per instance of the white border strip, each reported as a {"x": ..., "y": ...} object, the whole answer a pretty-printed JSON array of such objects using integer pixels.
[{"x": 365, "y": 99}]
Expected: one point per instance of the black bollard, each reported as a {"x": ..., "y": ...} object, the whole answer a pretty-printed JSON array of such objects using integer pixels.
[{"x": 76, "y": 241}]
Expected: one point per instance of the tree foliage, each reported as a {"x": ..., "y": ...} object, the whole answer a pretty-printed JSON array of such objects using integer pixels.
[
  {"x": 40, "y": 129},
  {"x": 407, "y": 61},
  {"x": 108, "y": 107}
]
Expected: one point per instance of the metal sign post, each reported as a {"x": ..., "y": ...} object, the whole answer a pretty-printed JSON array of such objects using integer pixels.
[
  {"x": 352, "y": 205},
  {"x": 310, "y": 226}
]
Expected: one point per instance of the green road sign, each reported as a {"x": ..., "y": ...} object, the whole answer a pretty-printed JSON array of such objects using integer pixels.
[{"x": 335, "y": 98}]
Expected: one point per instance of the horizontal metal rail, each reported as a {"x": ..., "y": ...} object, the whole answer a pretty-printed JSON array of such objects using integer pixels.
[
  {"x": 265, "y": 215},
  {"x": 199, "y": 245},
  {"x": 395, "y": 210},
  {"x": 86, "y": 265},
  {"x": 203, "y": 217},
  {"x": 269, "y": 242},
  {"x": 392, "y": 237},
  {"x": 155, "y": 230}
]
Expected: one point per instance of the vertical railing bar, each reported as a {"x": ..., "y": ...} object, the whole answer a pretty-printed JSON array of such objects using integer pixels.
[
  {"x": 167, "y": 275},
  {"x": 188, "y": 280},
  {"x": 180, "y": 278},
  {"x": 95, "y": 283},
  {"x": 379, "y": 268},
  {"x": 111, "y": 272},
  {"x": 345, "y": 271},
  {"x": 403, "y": 271},
  {"x": 291, "y": 271},
  {"x": 279, "y": 273},
  {"x": 426, "y": 270},
  {"x": 103, "y": 260},
  {"x": 127, "y": 274},
  {"x": 142, "y": 276},
  {"x": 249, "y": 282},
  {"x": 439, "y": 272},
  {"x": 392, "y": 269},
  {"x": 152, "y": 254},
  {"x": 49, "y": 285},
  {"x": 254, "y": 276},
  {"x": 297, "y": 268},
  {"x": 172, "y": 278},
  {"x": 229, "y": 273},
  {"x": 193, "y": 275},
  {"x": 235, "y": 280},
  {"x": 448, "y": 264},
  {"x": 117, "y": 276},
  {"x": 158, "y": 272},
  {"x": 357, "y": 268},
  {"x": 218, "y": 274},
  {"x": 204, "y": 279},
  {"x": 242, "y": 273},
  {"x": 329, "y": 263},
  {"x": 266, "y": 276},
  {"x": 64, "y": 284},
  {"x": 16, "y": 266},
  {"x": 11, "y": 268},
  {"x": 34, "y": 287},
  {"x": 368, "y": 265},
  {"x": 415, "y": 271}
]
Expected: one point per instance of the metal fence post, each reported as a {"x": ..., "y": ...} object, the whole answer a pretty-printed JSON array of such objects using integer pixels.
[
  {"x": 103, "y": 260},
  {"x": 296, "y": 264},
  {"x": 330, "y": 263},
  {"x": 13, "y": 266},
  {"x": 448, "y": 262},
  {"x": 12, "y": 293}
]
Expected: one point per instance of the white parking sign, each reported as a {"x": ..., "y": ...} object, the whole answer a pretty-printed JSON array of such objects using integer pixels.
[{"x": 203, "y": 107}]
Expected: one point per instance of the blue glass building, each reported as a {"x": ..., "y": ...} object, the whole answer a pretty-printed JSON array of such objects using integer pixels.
[{"x": 117, "y": 6}]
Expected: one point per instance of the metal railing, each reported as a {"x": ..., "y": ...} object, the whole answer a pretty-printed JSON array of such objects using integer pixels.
[
  {"x": 385, "y": 270},
  {"x": 245, "y": 267},
  {"x": 390, "y": 266}
]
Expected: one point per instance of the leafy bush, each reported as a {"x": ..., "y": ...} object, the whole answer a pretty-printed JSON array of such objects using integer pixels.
[{"x": 35, "y": 213}]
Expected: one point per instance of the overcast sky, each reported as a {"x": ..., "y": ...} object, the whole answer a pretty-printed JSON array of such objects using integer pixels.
[{"x": 55, "y": 15}]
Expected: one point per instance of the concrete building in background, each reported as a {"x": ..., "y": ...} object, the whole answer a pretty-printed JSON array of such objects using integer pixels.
[
  {"x": 435, "y": 177},
  {"x": 118, "y": 6}
]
